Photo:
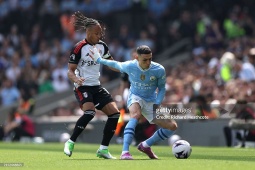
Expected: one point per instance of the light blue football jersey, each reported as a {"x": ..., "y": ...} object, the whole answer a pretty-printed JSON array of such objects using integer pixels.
[{"x": 144, "y": 83}]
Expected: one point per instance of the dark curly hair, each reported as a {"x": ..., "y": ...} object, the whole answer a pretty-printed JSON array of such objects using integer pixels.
[{"x": 82, "y": 22}]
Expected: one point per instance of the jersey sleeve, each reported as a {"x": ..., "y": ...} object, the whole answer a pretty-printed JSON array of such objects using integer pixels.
[
  {"x": 161, "y": 86},
  {"x": 106, "y": 54},
  {"x": 75, "y": 56},
  {"x": 121, "y": 66}
]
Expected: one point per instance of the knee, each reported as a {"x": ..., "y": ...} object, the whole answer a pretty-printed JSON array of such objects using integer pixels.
[
  {"x": 173, "y": 126},
  {"x": 135, "y": 115},
  {"x": 114, "y": 115}
]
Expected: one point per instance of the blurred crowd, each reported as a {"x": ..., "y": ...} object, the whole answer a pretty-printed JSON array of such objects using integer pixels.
[{"x": 36, "y": 37}]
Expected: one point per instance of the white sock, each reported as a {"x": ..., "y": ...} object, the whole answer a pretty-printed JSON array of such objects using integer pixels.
[
  {"x": 70, "y": 141},
  {"x": 123, "y": 152},
  {"x": 145, "y": 144},
  {"x": 103, "y": 147}
]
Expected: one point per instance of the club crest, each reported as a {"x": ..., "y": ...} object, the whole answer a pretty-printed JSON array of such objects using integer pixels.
[
  {"x": 142, "y": 77},
  {"x": 152, "y": 78}
]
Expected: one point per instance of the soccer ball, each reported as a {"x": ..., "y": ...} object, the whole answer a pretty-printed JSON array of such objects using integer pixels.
[{"x": 181, "y": 149}]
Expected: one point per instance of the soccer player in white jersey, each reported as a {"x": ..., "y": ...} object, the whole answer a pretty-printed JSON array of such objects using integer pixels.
[
  {"x": 84, "y": 73},
  {"x": 146, "y": 78}
]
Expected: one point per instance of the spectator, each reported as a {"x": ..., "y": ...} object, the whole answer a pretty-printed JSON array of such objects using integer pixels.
[
  {"x": 9, "y": 93},
  {"x": 68, "y": 5},
  {"x": 45, "y": 83},
  {"x": 14, "y": 71},
  {"x": 144, "y": 39},
  {"x": 4, "y": 8},
  {"x": 251, "y": 56},
  {"x": 203, "y": 108},
  {"x": 88, "y": 7},
  {"x": 17, "y": 126},
  {"x": 245, "y": 71},
  {"x": 158, "y": 8},
  {"x": 104, "y": 7},
  {"x": 232, "y": 26},
  {"x": 246, "y": 112},
  {"x": 60, "y": 84},
  {"x": 227, "y": 63}
]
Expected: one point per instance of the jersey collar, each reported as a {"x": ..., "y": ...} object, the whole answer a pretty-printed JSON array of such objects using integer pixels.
[
  {"x": 137, "y": 63},
  {"x": 87, "y": 42}
]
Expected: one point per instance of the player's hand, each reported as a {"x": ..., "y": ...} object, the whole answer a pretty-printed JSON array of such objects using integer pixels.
[
  {"x": 95, "y": 55},
  {"x": 80, "y": 81}
]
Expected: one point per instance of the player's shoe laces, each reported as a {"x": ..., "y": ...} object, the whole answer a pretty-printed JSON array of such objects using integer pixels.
[
  {"x": 68, "y": 149},
  {"x": 104, "y": 153},
  {"x": 126, "y": 156},
  {"x": 147, "y": 151}
]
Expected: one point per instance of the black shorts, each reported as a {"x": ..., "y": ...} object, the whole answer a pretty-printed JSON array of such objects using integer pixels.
[{"x": 96, "y": 94}]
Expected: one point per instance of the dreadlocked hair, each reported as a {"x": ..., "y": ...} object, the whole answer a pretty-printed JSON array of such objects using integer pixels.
[{"x": 82, "y": 23}]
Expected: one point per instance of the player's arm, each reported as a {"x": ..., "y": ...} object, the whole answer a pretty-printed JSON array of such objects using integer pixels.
[
  {"x": 95, "y": 55},
  {"x": 74, "y": 59},
  {"x": 71, "y": 75},
  {"x": 111, "y": 58},
  {"x": 161, "y": 87},
  {"x": 110, "y": 63},
  {"x": 108, "y": 56}
]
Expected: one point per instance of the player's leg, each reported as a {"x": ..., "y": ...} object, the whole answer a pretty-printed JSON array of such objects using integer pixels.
[
  {"x": 80, "y": 125},
  {"x": 159, "y": 135},
  {"x": 167, "y": 129},
  {"x": 85, "y": 100},
  {"x": 106, "y": 104},
  {"x": 129, "y": 131}
]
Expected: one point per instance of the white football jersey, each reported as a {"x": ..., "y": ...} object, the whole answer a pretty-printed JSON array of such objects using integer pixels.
[{"x": 86, "y": 67}]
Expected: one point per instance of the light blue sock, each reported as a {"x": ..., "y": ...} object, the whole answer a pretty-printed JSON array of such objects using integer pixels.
[
  {"x": 159, "y": 135},
  {"x": 129, "y": 132}
]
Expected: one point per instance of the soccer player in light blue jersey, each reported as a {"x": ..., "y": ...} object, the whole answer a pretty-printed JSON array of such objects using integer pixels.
[{"x": 147, "y": 79}]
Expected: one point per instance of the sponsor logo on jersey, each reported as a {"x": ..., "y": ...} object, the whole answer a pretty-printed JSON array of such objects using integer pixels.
[
  {"x": 87, "y": 63},
  {"x": 140, "y": 85}
]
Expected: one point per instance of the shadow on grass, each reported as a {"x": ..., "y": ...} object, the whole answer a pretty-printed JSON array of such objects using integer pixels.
[
  {"x": 44, "y": 148},
  {"x": 96, "y": 159}
]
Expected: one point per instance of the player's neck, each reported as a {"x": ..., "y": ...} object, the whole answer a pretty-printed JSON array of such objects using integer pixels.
[{"x": 88, "y": 41}]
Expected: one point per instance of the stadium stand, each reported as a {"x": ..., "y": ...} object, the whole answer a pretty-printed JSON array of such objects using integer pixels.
[{"x": 35, "y": 38}]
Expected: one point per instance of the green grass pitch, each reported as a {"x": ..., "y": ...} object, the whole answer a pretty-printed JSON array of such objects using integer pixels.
[{"x": 51, "y": 156}]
